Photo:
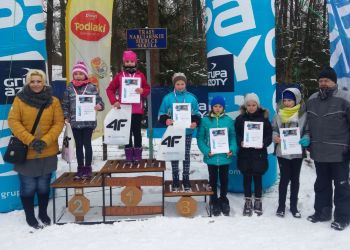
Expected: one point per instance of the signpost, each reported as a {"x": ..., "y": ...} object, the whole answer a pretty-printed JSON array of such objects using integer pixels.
[{"x": 147, "y": 39}]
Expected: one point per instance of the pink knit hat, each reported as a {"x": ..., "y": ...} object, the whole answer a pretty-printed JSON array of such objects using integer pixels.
[
  {"x": 80, "y": 67},
  {"x": 129, "y": 55}
]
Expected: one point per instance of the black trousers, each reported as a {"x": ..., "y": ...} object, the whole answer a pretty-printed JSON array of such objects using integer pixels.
[
  {"x": 222, "y": 172},
  {"x": 135, "y": 131},
  {"x": 247, "y": 184},
  {"x": 82, "y": 137},
  {"x": 338, "y": 172},
  {"x": 289, "y": 172}
]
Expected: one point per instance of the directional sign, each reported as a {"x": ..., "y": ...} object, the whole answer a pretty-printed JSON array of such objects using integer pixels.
[{"x": 153, "y": 38}]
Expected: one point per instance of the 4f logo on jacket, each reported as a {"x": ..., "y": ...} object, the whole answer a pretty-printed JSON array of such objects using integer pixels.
[
  {"x": 170, "y": 141},
  {"x": 117, "y": 124}
]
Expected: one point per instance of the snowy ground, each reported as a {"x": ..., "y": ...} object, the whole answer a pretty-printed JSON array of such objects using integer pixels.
[{"x": 173, "y": 232}]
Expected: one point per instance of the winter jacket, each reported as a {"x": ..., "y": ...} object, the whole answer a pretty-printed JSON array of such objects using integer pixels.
[
  {"x": 329, "y": 126},
  {"x": 21, "y": 119},
  {"x": 252, "y": 161},
  {"x": 68, "y": 104},
  {"x": 166, "y": 108},
  {"x": 298, "y": 120},
  {"x": 115, "y": 87},
  {"x": 203, "y": 139}
]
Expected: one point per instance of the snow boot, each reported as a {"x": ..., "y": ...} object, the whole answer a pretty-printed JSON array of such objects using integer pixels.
[
  {"x": 324, "y": 215},
  {"x": 281, "y": 211},
  {"x": 258, "y": 206},
  {"x": 28, "y": 206},
  {"x": 87, "y": 172},
  {"x": 225, "y": 206},
  {"x": 129, "y": 154},
  {"x": 248, "y": 207},
  {"x": 137, "y": 154},
  {"x": 215, "y": 206},
  {"x": 79, "y": 173},
  {"x": 43, "y": 201},
  {"x": 339, "y": 225},
  {"x": 295, "y": 212},
  {"x": 186, "y": 182},
  {"x": 176, "y": 183}
]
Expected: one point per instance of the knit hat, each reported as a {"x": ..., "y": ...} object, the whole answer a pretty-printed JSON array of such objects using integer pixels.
[
  {"x": 217, "y": 100},
  {"x": 328, "y": 72},
  {"x": 129, "y": 55},
  {"x": 179, "y": 76},
  {"x": 80, "y": 67},
  {"x": 251, "y": 97},
  {"x": 292, "y": 94}
]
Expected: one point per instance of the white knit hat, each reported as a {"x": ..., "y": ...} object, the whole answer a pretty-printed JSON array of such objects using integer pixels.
[
  {"x": 179, "y": 76},
  {"x": 80, "y": 67},
  {"x": 251, "y": 97}
]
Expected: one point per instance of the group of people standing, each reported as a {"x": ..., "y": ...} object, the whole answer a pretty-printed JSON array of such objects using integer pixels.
[{"x": 324, "y": 123}]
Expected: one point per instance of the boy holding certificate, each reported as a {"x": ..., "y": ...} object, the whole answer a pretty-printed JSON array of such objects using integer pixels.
[
  {"x": 216, "y": 140},
  {"x": 180, "y": 108},
  {"x": 132, "y": 88},
  {"x": 289, "y": 116},
  {"x": 254, "y": 135}
]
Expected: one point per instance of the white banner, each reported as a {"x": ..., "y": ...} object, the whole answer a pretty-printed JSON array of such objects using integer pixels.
[
  {"x": 172, "y": 146},
  {"x": 117, "y": 126},
  {"x": 68, "y": 144}
]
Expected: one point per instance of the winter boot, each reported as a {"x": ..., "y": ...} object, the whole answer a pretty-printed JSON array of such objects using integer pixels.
[
  {"x": 137, "y": 154},
  {"x": 281, "y": 211},
  {"x": 339, "y": 225},
  {"x": 176, "y": 183},
  {"x": 87, "y": 172},
  {"x": 295, "y": 212},
  {"x": 258, "y": 206},
  {"x": 129, "y": 154},
  {"x": 321, "y": 216},
  {"x": 215, "y": 206},
  {"x": 248, "y": 207},
  {"x": 28, "y": 206},
  {"x": 186, "y": 182},
  {"x": 43, "y": 201},
  {"x": 225, "y": 206},
  {"x": 79, "y": 173}
]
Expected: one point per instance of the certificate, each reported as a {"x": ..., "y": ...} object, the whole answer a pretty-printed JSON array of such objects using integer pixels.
[
  {"x": 182, "y": 114},
  {"x": 129, "y": 86},
  {"x": 85, "y": 108},
  {"x": 253, "y": 134},
  {"x": 219, "y": 141},
  {"x": 290, "y": 138}
]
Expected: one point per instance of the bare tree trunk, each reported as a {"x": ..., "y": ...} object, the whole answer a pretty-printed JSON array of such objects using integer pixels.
[
  {"x": 63, "y": 5},
  {"x": 49, "y": 38},
  {"x": 153, "y": 22}
]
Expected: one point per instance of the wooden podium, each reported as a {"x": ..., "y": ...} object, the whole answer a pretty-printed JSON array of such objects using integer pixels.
[{"x": 132, "y": 194}]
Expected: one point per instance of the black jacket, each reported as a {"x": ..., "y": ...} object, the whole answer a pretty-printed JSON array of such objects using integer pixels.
[{"x": 252, "y": 161}]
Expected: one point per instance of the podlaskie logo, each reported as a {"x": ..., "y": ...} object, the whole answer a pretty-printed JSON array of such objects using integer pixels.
[{"x": 90, "y": 25}]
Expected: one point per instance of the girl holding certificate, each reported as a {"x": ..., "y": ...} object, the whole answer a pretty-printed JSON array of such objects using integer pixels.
[
  {"x": 254, "y": 135},
  {"x": 217, "y": 153},
  {"x": 290, "y": 115},
  {"x": 132, "y": 88},
  {"x": 80, "y": 102},
  {"x": 180, "y": 101}
]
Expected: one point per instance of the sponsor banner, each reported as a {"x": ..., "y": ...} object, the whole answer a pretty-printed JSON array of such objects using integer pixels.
[
  {"x": 221, "y": 73},
  {"x": 88, "y": 34},
  {"x": 245, "y": 30},
  {"x": 339, "y": 38},
  {"x": 22, "y": 47}
]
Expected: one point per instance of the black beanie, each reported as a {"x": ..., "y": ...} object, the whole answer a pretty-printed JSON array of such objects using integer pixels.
[{"x": 328, "y": 72}]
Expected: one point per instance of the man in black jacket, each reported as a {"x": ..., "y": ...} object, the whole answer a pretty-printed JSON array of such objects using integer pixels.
[{"x": 328, "y": 115}]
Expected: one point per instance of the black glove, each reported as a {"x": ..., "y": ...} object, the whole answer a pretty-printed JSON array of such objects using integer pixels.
[{"x": 38, "y": 145}]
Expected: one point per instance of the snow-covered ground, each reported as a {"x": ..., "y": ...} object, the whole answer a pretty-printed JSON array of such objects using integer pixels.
[{"x": 174, "y": 232}]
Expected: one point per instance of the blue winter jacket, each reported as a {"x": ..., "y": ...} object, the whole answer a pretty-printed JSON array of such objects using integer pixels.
[
  {"x": 166, "y": 108},
  {"x": 203, "y": 138}
]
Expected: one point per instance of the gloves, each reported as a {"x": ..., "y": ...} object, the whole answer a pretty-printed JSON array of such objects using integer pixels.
[
  {"x": 38, "y": 145},
  {"x": 305, "y": 141}
]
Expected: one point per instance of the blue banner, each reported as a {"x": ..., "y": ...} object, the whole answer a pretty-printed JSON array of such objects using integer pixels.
[
  {"x": 339, "y": 38},
  {"x": 245, "y": 30},
  {"x": 22, "y": 47},
  {"x": 152, "y": 38}
]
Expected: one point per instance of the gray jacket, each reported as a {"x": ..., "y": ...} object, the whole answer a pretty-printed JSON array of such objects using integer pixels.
[
  {"x": 329, "y": 126},
  {"x": 68, "y": 104}
]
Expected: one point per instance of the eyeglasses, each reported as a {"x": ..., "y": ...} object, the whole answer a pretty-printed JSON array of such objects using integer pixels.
[{"x": 36, "y": 81}]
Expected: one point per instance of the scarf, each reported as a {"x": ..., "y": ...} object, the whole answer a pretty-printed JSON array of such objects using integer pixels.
[
  {"x": 36, "y": 99},
  {"x": 77, "y": 83},
  {"x": 287, "y": 113}
]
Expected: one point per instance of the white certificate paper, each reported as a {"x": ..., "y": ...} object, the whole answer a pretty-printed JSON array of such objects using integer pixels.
[
  {"x": 290, "y": 138},
  {"x": 129, "y": 85},
  {"x": 85, "y": 108},
  {"x": 219, "y": 140},
  {"x": 253, "y": 134},
  {"x": 182, "y": 114}
]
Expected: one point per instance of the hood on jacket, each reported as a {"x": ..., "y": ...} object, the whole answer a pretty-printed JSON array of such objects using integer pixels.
[
  {"x": 296, "y": 93},
  {"x": 265, "y": 112}
]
